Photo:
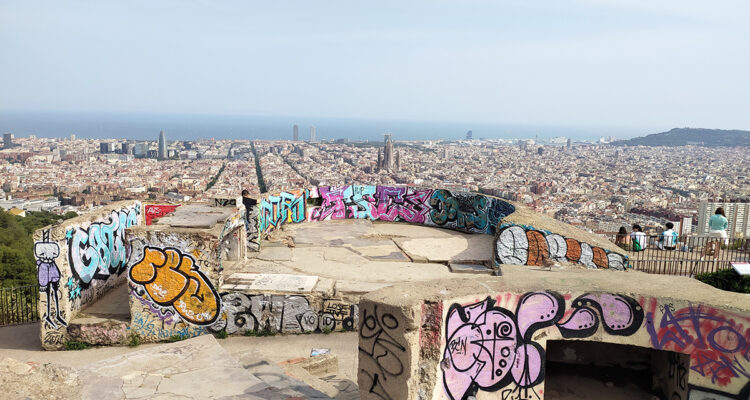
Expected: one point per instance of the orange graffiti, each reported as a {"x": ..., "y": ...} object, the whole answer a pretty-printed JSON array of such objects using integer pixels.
[
  {"x": 600, "y": 257},
  {"x": 538, "y": 249},
  {"x": 574, "y": 250},
  {"x": 173, "y": 279}
]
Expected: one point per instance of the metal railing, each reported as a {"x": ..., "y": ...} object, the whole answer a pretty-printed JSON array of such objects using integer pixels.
[
  {"x": 688, "y": 256},
  {"x": 18, "y": 305}
]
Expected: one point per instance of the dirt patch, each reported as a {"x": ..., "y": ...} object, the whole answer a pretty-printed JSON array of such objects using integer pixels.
[{"x": 30, "y": 380}]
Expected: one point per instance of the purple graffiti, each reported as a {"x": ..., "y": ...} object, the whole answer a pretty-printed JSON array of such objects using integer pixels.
[
  {"x": 489, "y": 347},
  {"x": 398, "y": 204}
]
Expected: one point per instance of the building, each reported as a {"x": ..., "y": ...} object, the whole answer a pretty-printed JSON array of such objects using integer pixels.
[
  {"x": 7, "y": 140},
  {"x": 162, "y": 153},
  {"x": 469, "y": 135},
  {"x": 312, "y": 134},
  {"x": 140, "y": 150},
  {"x": 568, "y": 144},
  {"x": 296, "y": 133},
  {"x": 105, "y": 147},
  {"x": 738, "y": 215},
  {"x": 387, "y": 161}
]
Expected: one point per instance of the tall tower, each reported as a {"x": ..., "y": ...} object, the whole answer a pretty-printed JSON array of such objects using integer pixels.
[
  {"x": 7, "y": 140},
  {"x": 162, "y": 154},
  {"x": 388, "y": 152},
  {"x": 296, "y": 133},
  {"x": 312, "y": 134},
  {"x": 469, "y": 135}
]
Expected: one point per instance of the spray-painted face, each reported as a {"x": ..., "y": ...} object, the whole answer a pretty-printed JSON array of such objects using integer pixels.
[{"x": 46, "y": 251}]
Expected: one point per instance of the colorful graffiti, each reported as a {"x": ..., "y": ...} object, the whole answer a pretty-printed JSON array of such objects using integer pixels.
[
  {"x": 173, "y": 279},
  {"x": 100, "y": 250},
  {"x": 152, "y": 322},
  {"x": 48, "y": 276},
  {"x": 490, "y": 348},
  {"x": 718, "y": 342},
  {"x": 155, "y": 211},
  {"x": 520, "y": 245},
  {"x": 285, "y": 207},
  {"x": 242, "y": 313},
  {"x": 468, "y": 212}
]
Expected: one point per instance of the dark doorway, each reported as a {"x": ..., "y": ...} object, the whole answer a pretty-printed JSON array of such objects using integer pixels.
[{"x": 584, "y": 370}]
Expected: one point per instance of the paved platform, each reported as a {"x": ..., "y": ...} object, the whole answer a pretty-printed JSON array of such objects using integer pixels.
[{"x": 351, "y": 257}]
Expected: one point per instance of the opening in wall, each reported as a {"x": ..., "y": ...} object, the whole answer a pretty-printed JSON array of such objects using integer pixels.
[{"x": 585, "y": 370}]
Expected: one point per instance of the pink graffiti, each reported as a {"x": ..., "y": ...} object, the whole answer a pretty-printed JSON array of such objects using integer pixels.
[{"x": 398, "y": 204}]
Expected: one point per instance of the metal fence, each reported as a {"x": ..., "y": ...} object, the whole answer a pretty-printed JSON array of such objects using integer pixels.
[
  {"x": 18, "y": 305},
  {"x": 688, "y": 256}
]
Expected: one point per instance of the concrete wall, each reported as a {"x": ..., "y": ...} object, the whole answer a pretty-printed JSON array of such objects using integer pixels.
[
  {"x": 173, "y": 278},
  {"x": 487, "y": 337},
  {"x": 78, "y": 261},
  {"x": 521, "y": 237}
]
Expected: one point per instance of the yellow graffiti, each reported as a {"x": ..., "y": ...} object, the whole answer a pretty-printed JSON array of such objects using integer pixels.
[{"x": 173, "y": 279}]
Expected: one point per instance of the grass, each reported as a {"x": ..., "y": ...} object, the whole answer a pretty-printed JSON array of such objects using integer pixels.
[
  {"x": 135, "y": 340},
  {"x": 222, "y": 334},
  {"x": 174, "y": 338},
  {"x": 76, "y": 345}
]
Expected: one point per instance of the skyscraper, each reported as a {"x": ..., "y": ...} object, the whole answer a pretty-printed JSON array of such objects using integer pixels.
[
  {"x": 162, "y": 154},
  {"x": 7, "y": 140},
  {"x": 469, "y": 135},
  {"x": 296, "y": 133},
  {"x": 312, "y": 134},
  {"x": 568, "y": 143}
]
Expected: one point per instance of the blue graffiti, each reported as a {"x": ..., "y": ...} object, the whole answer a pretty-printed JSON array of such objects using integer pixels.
[{"x": 100, "y": 251}]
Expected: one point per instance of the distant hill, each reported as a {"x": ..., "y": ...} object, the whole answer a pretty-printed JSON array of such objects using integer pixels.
[{"x": 694, "y": 136}]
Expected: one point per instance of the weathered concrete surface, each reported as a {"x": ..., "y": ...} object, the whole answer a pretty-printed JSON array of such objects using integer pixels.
[
  {"x": 196, "y": 216},
  {"x": 197, "y": 368},
  {"x": 434, "y": 339}
]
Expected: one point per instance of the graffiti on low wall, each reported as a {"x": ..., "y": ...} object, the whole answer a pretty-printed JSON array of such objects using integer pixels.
[
  {"x": 173, "y": 279},
  {"x": 155, "y": 211},
  {"x": 283, "y": 314},
  {"x": 383, "y": 360},
  {"x": 48, "y": 277},
  {"x": 153, "y": 323},
  {"x": 718, "y": 342},
  {"x": 470, "y": 212},
  {"x": 491, "y": 348},
  {"x": 515, "y": 244},
  {"x": 285, "y": 207},
  {"x": 100, "y": 251}
]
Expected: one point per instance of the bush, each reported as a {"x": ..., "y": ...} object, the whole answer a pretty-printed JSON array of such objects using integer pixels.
[
  {"x": 135, "y": 340},
  {"x": 726, "y": 279},
  {"x": 76, "y": 345},
  {"x": 174, "y": 338}
]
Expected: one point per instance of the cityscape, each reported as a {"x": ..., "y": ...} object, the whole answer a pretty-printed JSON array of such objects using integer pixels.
[{"x": 597, "y": 186}]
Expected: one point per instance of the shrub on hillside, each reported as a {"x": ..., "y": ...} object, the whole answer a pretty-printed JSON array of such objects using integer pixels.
[{"x": 726, "y": 279}]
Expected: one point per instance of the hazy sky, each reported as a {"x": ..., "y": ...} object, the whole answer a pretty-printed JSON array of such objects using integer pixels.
[{"x": 583, "y": 62}]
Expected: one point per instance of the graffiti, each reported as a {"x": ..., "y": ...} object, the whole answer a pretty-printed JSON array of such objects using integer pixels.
[
  {"x": 519, "y": 245},
  {"x": 286, "y": 207},
  {"x": 467, "y": 211},
  {"x": 155, "y": 211},
  {"x": 702, "y": 393},
  {"x": 677, "y": 374},
  {"x": 225, "y": 202},
  {"x": 74, "y": 290},
  {"x": 252, "y": 228},
  {"x": 383, "y": 203},
  {"x": 242, "y": 313},
  {"x": 429, "y": 329},
  {"x": 490, "y": 348},
  {"x": 100, "y": 251},
  {"x": 147, "y": 325},
  {"x": 53, "y": 339},
  {"x": 173, "y": 279},
  {"x": 48, "y": 276},
  {"x": 718, "y": 342},
  {"x": 378, "y": 344}
]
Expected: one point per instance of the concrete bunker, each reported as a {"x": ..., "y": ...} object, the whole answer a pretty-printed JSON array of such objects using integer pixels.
[{"x": 583, "y": 369}]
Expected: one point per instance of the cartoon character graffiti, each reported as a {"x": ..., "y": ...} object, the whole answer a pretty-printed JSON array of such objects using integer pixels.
[
  {"x": 49, "y": 277},
  {"x": 490, "y": 348}
]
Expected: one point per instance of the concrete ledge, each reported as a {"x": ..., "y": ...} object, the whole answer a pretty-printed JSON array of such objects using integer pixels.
[{"x": 487, "y": 336}]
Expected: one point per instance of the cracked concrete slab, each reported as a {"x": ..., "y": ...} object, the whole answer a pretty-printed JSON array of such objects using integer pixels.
[{"x": 453, "y": 249}]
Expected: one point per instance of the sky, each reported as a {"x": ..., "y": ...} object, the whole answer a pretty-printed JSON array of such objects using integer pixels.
[{"x": 671, "y": 63}]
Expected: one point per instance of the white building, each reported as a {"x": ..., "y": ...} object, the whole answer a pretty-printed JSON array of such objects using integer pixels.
[{"x": 738, "y": 215}]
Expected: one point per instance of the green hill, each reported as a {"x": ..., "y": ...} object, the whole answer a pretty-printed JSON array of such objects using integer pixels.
[{"x": 694, "y": 136}]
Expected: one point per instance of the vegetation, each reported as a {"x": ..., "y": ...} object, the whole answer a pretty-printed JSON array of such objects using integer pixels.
[
  {"x": 76, "y": 345},
  {"x": 17, "y": 264},
  {"x": 222, "y": 334},
  {"x": 174, "y": 338},
  {"x": 135, "y": 340},
  {"x": 213, "y": 180},
  {"x": 726, "y": 279},
  {"x": 258, "y": 171}
]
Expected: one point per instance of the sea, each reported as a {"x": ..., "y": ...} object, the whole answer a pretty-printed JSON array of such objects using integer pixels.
[{"x": 146, "y": 126}]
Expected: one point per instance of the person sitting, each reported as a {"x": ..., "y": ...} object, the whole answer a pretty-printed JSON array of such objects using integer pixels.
[
  {"x": 668, "y": 238},
  {"x": 622, "y": 239},
  {"x": 639, "y": 238}
]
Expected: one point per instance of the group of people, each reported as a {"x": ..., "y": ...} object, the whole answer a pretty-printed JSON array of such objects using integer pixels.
[{"x": 637, "y": 240}]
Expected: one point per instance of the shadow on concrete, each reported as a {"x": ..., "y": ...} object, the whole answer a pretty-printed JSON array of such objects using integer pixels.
[{"x": 21, "y": 337}]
